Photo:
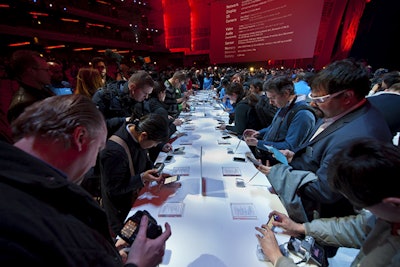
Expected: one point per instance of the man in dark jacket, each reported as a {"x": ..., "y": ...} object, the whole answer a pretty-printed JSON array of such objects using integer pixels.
[
  {"x": 120, "y": 100},
  {"x": 339, "y": 93},
  {"x": 47, "y": 219},
  {"x": 31, "y": 72}
]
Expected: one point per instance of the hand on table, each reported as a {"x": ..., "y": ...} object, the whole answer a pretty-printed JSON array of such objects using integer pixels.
[{"x": 268, "y": 243}]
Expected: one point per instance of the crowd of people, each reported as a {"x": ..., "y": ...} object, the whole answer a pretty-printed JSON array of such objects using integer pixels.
[{"x": 335, "y": 126}]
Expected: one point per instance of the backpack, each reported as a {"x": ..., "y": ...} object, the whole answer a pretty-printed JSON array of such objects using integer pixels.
[
  {"x": 112, "y": 100},
  {"x": 265, "y": 111}
]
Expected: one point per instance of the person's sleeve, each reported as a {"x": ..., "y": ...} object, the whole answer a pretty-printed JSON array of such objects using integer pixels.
[
  {"x": 349, "y": 231},
  {"x": 285, "y": 262},
  {"x": 240, "y": 120},
  {"x": 169, "y": 97}
]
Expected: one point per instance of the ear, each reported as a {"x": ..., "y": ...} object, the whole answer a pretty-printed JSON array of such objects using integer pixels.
[
  {"x": 143, "y": 136},
  {"x": 349, "y": 94},
  {"x": 392, "y": 200},
  {"x": 80, "y": 137},
  {"x": 132, "y": 88}
]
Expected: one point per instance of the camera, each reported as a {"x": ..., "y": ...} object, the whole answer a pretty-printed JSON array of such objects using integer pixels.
[
  {"x": 132, "y": 224},
  {"x": 308, "y": 249}
]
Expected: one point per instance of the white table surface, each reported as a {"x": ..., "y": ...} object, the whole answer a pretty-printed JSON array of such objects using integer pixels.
[{"x": 206, "y": 234}]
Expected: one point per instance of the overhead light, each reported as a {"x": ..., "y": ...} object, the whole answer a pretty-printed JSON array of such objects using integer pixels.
[
  {"x": 55, "y": 46},
  {"x": 83, "y": 49},
  {"x": 69, "y": 20},
  {"x": 103, "y": 2},
  {"x": 95, "y": 24},
  {"x": 19, "y": 44},
  {"x": 4, "y": 6},
  {"x": 39, "y": 14}
]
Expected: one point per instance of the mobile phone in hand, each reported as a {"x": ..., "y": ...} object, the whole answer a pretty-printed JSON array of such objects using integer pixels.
[{"x": 159, "y": 166}]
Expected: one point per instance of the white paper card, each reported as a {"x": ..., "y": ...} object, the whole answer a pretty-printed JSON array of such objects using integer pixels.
[
  {"x": 243, "y": 211},
  {"x": 171, "y": 209}
]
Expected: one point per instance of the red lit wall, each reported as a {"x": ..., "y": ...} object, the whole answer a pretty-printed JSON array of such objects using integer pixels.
[{"x": 323, "y": 35}]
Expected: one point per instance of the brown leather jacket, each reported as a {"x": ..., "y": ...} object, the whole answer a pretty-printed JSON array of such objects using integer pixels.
[{"x": 26, "y": 96}]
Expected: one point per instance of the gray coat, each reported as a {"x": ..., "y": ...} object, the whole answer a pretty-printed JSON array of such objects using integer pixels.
[{"x": 378, "y": 247}]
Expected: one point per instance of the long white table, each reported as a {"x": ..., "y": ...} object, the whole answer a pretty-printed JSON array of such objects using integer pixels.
[{"x": 212, "y": 219}]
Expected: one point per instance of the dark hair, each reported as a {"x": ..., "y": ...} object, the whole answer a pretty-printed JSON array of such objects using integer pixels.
[
  {"x": 96, "y": 60},
  {"x": 141, "y": 78},
  {"x": 279, "y": 84},
  {"x": 158, "y": 88},
  {"x": 341, "y": 75},
  {"x": 57, "y": 117},
  {"x": 236, "y": 88},
  {"x": 155, "y": 125},
  {"x": 366, "y": 171},
  {"x": 23, "y": 59},
  {"x": 391, "y": 78},
  {"x": 257, "y": 83}
]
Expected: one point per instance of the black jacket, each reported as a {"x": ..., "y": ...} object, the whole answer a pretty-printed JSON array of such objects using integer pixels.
[
  {"x": 47, "y": 220},
  {"x": 118, "y": 188}
]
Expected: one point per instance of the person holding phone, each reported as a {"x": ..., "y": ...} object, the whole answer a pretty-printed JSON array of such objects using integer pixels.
[
  {"x": 47, "y": 218},
  {"x": 366, "y": 173},
  {"x": 121, "y": 180}
]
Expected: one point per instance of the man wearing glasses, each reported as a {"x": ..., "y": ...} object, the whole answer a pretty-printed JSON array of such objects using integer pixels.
[
  {"x": 338, "y": 92},
  {"x": 31, "y": 72}
]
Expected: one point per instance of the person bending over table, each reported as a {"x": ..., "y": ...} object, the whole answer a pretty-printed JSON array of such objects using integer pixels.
[
  {"x": 366, "y": 172},
  {"x": 120, "y": 181},
  {"x": 338, "y": 92},
  {"x": 47, "y": 218}
]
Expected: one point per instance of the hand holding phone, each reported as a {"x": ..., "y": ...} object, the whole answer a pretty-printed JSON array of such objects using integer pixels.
[{"x": 159, "y": 166}]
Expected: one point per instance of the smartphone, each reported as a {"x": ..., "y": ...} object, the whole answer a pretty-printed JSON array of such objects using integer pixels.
[
  {"x": 168, "y": 158},
  {"x": 269, "y": 223},
  {"x": 179, "y": 150},
  {"x": 251, "y": 157},
  {"x": 172, "y": 179},
  {"x": 131, "y": 227},
  {"x": 159, "y": 166},
  {"x": 239, "y": 159},
  {"x": 240, "y": 182}
]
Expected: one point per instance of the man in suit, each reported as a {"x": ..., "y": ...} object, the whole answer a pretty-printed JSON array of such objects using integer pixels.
[
  {"x": 339, "y": 93},
  {"x": 387, "y": 102}
]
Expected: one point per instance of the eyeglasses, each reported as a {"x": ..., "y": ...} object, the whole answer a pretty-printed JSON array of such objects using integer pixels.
[{"x": 323, "y": 99}]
